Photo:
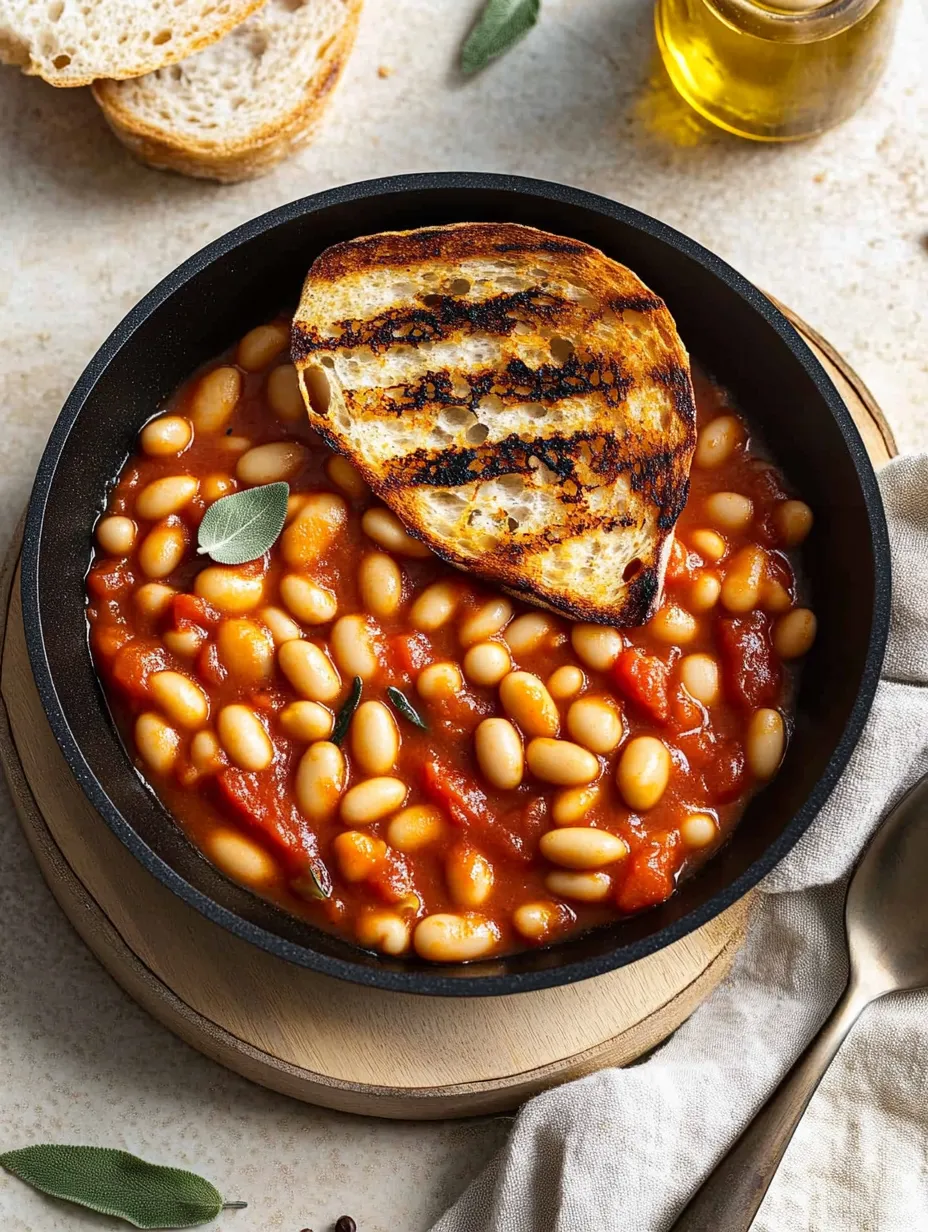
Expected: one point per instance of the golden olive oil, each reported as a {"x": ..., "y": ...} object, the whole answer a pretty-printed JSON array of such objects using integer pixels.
[{"x": 775, "y": 74}]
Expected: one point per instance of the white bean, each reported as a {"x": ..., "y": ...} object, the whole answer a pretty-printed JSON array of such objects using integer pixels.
[
  {"x": 320, "y": 781},
  {"x": 243, "y": 737},
  {"x": 372, "y": 799},
  {"x": 469, "y": 875},
  {"x": 643, "y": 772},
  {"x": 582, "y": 847},
  {"x": 352, "y": 642},
  {"x": 307, "y": 600},
  {"x": 157, "y": 742},
  {"x": 165, "y": 496},
  {"x": 271, "y": 463},
  {"x": 765, "y": 742},
  {"x": 499, "y": 753},
  {"x": 116, "y": 535},
  {"x": 596, "y": 723},
  {"x": 560, "y": 762},
  {"x": 309, "y": 670},
  {"x": 596, "y": 646},
  {"x": 375, "y": 738},
  {"x": 446, "y": 937},
  {"x": 524, "y": 698},
  {"x": 490, "y": 618},
  {"x": 486, "y": 663},
  {"x": 380, "y": 583}
]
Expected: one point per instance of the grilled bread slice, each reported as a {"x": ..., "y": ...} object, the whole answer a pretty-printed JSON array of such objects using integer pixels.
[
  {"x": 522, "y": 402},
  {"x": 236, "y": 109}
]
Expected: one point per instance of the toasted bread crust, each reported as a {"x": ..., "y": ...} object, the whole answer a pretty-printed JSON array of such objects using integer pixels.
[
  {"x": 230, "y": 162},
  {"x": 608, "y": 473}
]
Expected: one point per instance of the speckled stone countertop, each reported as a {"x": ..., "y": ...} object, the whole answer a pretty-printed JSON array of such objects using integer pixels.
[{"x": 837, "y": 228}]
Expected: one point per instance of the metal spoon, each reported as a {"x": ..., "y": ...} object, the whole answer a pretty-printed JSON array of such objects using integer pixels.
[{"x": 886, "y": 916}]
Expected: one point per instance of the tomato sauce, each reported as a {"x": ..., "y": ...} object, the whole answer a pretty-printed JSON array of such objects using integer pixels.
[{"x": 249, "y": 821}]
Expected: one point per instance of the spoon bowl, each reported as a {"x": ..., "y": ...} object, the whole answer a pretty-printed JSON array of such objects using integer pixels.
[
  {"x": 886, "y": 917},
  {"x": 887, "y": 902}
]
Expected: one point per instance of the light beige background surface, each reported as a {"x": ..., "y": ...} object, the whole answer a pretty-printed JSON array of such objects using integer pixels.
[{"x": 837, "y": 228}]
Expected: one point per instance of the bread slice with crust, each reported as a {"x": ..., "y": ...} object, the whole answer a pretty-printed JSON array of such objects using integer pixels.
[
  {"x": 233, "y": 111},
  {"x": 521, "y": 401},
  {"x": 72, "y": 42}
]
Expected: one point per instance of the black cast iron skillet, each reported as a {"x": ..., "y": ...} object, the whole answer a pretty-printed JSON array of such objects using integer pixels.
[{"x": 247, "y": 276}]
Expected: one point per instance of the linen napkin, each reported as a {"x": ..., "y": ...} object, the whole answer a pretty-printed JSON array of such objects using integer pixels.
[{"x": 624, "y": 1149}]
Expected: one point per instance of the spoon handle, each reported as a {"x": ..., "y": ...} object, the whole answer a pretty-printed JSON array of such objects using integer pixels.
[{"x": 730, "y": 1197}]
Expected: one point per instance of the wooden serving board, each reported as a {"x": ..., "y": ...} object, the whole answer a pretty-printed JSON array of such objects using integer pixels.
[{"x": 312, "y": 1037}]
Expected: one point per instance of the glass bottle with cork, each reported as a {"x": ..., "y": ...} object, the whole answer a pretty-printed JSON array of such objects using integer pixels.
[{"x": 775, "y": 72}]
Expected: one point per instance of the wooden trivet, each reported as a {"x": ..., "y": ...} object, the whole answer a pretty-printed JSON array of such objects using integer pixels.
[{"x": 319, "y": 1039}]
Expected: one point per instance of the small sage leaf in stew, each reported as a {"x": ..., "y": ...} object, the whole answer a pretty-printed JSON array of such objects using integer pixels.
[
  {"x": 501, "y": 24},
  {"x": 406, "y": 708},
  {"x": 118, "y": 1184},
  {"x": 320, "y": 879},
  {"x": 241, "y": 527},
  {"x": 345, "y": 715}
]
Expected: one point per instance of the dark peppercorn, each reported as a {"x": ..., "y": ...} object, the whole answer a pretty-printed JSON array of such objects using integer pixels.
[{"x": 345, "y": 1223}]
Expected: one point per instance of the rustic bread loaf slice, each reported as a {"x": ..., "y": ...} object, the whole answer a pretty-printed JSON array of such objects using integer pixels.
[
  {"x": 522, "y": 402},
  {"x": 72, "y": 42},
  {"x": 233, "y": 111}
]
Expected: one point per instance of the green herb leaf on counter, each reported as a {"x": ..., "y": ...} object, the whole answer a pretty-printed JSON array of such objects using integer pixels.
[
  {"x": 501, "y": 24},
  {"x": 406, "y": 708},
  {"x": 242, "y": 527},
  {"x": 346, "y": 714},
  {"x": 119, "y": 1184}
]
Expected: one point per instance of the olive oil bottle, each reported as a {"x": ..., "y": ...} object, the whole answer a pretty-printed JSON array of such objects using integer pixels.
[{"x": 775, "y": 73}]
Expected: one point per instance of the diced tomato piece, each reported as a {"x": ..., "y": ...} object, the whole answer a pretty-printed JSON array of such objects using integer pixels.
[
  {"x": 766, "y": 489},
  {"x": 697, "y": 746},
  {"x": 518, "y": 831},
  {"x": 766, "y": 484},
  {"x": 410, "y": 652},
  {"x": 109, "y": 579},
  {"x": 258, "y": 798},
  {"x": 725, "y": 775},
  {"x": 106, "y": 640},
  {"x": 682, "y": 565},
  {"x": 651, "y": 873},
  {"x": 209, "y": 667},
  {"x": 462, "y": 711},
  {"x": 469, "y": 808},
  {"x": 460, "y": 796},
  {"x": 685, "y": 714},
  {"x": 192, "y": 610},
  {"x": 135, "y": 662},
  {"x": 751, "y": 670},
  {"x": 643, "y": 680},
  {"x": 391, "y": 879}
]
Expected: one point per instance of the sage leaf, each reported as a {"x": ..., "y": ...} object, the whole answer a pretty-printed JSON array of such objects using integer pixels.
[
  {"x": 317, "y": 884},
  {"x": 321, "y": 881},
  {"x": 501, "y": 24},
  {"x": 406, "y": 708},
  {"x": 242, "y": 527},
  {"x": 119, "y": 1184},
  {"x": 346, "y": 714}
]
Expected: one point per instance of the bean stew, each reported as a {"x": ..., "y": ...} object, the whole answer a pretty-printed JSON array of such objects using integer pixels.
[{"x": 399, "y": 754}]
